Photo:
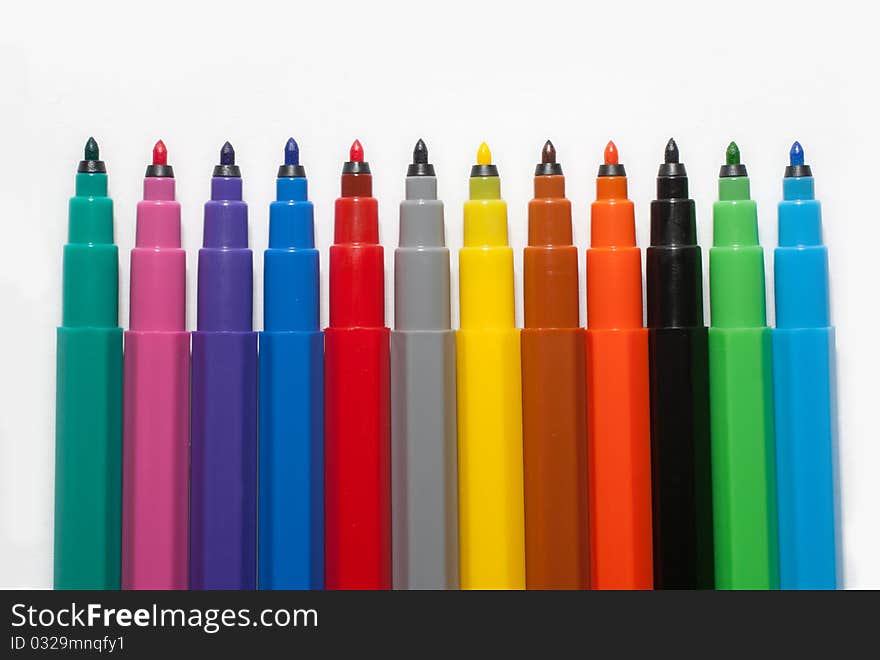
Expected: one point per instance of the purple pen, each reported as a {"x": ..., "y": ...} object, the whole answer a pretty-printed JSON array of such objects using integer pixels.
[{"x": 223, "y": 505}]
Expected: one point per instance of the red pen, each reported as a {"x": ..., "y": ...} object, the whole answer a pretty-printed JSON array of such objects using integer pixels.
[{"x": 357, "y": 449}]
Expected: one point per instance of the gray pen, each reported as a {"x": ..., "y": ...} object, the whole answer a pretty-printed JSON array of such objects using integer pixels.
[{"x": 424, "y": 455}]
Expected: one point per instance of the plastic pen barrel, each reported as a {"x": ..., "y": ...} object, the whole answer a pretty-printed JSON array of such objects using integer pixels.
[
  {"x": 424, "y": 452},
  {"x": 88, "y": 438},
  {"x": 740, "y": 378},
  {"x": 291, "y": 393},
  {"x": 804, "y": 377},
  {"x": 223, "y": 506},
  {"x": 554, "y": 393},
  {"x": 618, "y": 408},
  {"x": 357, "y": 444},
  {"x": 156, "y": 443},
  {"x": 490, "y": 458},
  {"x": 678, "y": 350}
]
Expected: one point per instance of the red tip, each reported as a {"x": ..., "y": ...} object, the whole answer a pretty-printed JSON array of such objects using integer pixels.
[
  {"x": 356, "y": 154},
  {"x": 160, "y": 154},
  {"x": 611, "y": 154}
]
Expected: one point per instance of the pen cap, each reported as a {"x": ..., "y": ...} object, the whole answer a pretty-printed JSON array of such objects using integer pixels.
[
  {"x": 291, "y": 263},
  {"x": 801, "y": 260},
  {"x": 550, "y": 266},
  {"x": 225, "y": 290},
  {"x": 421, "y": 262},
  {"x": 614, "y": 264},
  {"x": 736, "y": 262},
  {"x": 158, "y": 263},
  {"x": 90, "y": 296}
]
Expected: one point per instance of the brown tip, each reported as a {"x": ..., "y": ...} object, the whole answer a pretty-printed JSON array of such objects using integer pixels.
[{"x": 548, "y": 153}]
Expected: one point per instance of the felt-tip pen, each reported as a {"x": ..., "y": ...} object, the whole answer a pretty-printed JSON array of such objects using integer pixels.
[
  {"x": 223, "y": 502},
  {"x": 155, "y": 481},
  {"x": 357, "y": 412},
  {"x": 679, "y": 369},
  {"x": 490, "y": 458},
  {"x": 88, "y": 416},
  {"x": 618, "y": 408},
  {"x": 424, "y": 455},
  {"x": 804, "y": 377},
  {"x": 291, "y": 393},
  {"x": 741, "y": 391},
  {"x": 554, "y": 392}
]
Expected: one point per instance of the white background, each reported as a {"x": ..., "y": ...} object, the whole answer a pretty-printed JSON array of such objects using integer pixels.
[{"x": 454, "y": 73}]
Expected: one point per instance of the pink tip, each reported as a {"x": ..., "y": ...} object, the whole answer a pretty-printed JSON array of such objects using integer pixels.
[
  {"x": 356, "y": 154},
  {"x": 611, "y": 157},
  {"x": 160, "y": 154}
]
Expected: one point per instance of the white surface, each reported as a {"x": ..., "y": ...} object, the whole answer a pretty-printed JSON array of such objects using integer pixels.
[{"x": 454, "y": 73}]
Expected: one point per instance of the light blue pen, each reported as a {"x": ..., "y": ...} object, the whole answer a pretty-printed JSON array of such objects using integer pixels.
[{"x": 804, "y": 389}]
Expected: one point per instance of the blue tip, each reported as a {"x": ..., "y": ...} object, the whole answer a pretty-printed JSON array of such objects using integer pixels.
[
  {"x": 291, "y": 152},
  {"x": 796, "y": 155},
  {"x": 227, "y": 155}
]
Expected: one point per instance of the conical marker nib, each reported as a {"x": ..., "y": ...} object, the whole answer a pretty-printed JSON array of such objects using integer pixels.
[
  {"x": 611, "y": 156},
  {"x": 291, "y": 152},
  {"x": 548, "y": 153},
  {"x": 91, "y": 150},
  {"x": 356, "y": 153},
  {"x": 420, "y": 153},
  {"x": 160, "y": 154},
  {"x": 796, "y": 155},
  {"x": 227, "y": 155},
  {"x": 732, "y": 154},
  {"x": 671, "y": 154},
  {"x": 484, "y": 156}
]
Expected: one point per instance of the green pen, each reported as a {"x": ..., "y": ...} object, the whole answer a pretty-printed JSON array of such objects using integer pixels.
[
  {"x": 88, "y": 433},
  {"x": 741, "y": 392}
]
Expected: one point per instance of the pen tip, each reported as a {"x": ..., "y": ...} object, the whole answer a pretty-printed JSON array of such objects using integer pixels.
[
  {"x": 671, "y": 155},
  {"x": 356, "y": 153},
  {"x": 796, "y": 155},
  {"x": 732, "y": 155},
  {"x": 548, "y": 153},
  {"x": 420, "y": 153},
  {"x": 227, "y": 154},
  {"x": 91, "y": 150},
  {"x": 291, "y": 152},
  {"x": 160, "y": 153},
  {"x": 484, "y": 156},
  {"x": 611, "y": 156}
]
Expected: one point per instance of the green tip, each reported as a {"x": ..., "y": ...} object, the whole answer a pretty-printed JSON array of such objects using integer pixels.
[
  {"x": 732, "y": 154},
  {"x": 91, "y": 150}
]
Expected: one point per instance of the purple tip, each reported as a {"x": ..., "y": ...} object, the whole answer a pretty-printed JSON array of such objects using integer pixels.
[
  {"x": 227, "y": 155},
  {"x": 796, "y": 155},
  {"x": 291, "y": 152}
]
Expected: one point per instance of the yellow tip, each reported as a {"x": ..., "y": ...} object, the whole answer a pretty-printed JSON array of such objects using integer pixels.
[{"x": 484, "y": 156}]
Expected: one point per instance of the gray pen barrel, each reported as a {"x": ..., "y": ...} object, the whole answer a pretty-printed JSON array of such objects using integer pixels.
[{"x": 423, "y": 433}]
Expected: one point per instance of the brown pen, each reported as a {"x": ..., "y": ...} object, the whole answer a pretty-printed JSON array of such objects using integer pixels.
[{"x": 554, "y": 392}]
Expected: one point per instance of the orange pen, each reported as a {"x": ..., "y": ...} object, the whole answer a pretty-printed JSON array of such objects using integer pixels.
[{"x": 618, "y": 412}]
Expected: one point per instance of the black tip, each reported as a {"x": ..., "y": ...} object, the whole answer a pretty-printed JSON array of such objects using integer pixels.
[
  {"x": 420, "y": 165},
  {"x": 548, "y": 153},
  {"x": 671, "y": 151},
  {"x": 420, "y": 153}
]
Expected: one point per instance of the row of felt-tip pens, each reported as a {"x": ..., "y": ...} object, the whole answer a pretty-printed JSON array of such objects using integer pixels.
[{"x": 621, "y": 456}]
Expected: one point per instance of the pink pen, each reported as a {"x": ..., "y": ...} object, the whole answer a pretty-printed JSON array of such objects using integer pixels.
[{"x": 156, "y": 433}]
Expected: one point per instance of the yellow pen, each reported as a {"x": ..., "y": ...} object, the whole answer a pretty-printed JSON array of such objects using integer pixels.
[{"x": 490, "y": 459}]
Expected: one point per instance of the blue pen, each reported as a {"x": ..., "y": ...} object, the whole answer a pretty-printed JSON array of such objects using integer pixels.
[
  {"x": 804, "y": 388},
  {"x": 291, "y": 483}
]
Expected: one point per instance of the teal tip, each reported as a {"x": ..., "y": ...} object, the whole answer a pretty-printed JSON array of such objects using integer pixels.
[{"x": 91, "y": 151}]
